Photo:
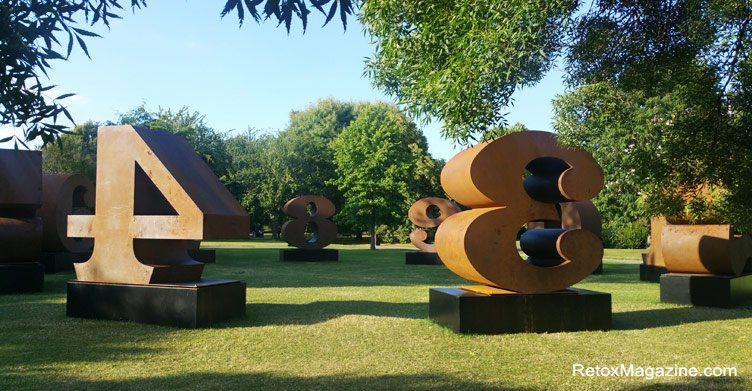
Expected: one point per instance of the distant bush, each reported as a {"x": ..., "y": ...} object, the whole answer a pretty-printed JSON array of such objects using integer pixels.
[{"x": 626, "y": 235}]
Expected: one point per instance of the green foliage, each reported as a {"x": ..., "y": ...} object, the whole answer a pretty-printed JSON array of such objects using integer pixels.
[
  {"x": 74, "y": 153},
  {"x": 461, "y": 61},
  {"x": 376, "y": 157},
  {"x": 30, "y": 32},
  {"x": 29, "y": 36},
  {"x": 662, "y": 100},
  {"x": 309, "y": 136},
  {"x": 284, "y": 11},
  {"x": 208, "y": 143},
  {"x": 628, "y": 235}
]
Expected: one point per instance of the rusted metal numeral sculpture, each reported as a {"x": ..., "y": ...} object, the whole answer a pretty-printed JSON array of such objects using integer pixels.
[
  {"x": 324, "y": 231},
  {"x": 419, "y": 214},
  {"x": 133, "y": 248},
  {"x": 64, "y": 195},
  {"x": 479, "y": 244},
  {"x": 20, "y": 228},
  {"x": 705, "y": 249}
]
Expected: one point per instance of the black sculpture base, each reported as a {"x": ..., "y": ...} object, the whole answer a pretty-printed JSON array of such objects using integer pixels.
[
  {"x": 421, "y": 258},
  {"x": 651, "y": 273},
  {"x": 189, "y": 305},
  {"x": 205, "y": 256},
  {"x": 705, "y": 289},
  {"x": 61, "y": 262},
  {"x": 21, "y": 277},
  {"x": 301, "y": 255},
  {"x": 471, "y": 312}
]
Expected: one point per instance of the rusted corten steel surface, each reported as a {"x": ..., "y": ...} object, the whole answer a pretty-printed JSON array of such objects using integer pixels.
[
  {"x": 324, "y": 231},
  {"x": 20, "y": 196},
  {"x": 64, "y": 195},
  {"x": 705, "y": 249},
  {"x": 574, "y": 215},
  {"x": 125, "y": 249},
  {"x": 654, "y": 257},
  {"x": 479, "y": 244},
  {"x": 420, "y": 215}
]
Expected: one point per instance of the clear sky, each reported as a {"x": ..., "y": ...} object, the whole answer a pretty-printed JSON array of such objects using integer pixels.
[{"x": 180, "y": 53}]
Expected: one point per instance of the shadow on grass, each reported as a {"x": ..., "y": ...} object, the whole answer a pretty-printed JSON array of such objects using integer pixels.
[
  {"x": 322, "y": 311},
  {"x": 663, "y": 317},
  {"x": 260, "y": 381},
  {"x": 695, "y": 384}
]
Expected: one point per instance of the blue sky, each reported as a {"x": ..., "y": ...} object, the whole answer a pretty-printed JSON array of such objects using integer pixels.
[{"x": 180, "y": 53}]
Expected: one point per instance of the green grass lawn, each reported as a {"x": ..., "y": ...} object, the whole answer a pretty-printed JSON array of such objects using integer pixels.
[{"x": 361, "y": 324}]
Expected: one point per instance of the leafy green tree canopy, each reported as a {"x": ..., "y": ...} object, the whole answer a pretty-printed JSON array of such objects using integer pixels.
[
  {"x": 661, "y": 97},
  {"x": 30, "y": 32},
  {"x": 375, "y": 158},
  {"x": 461, "y": 61}
]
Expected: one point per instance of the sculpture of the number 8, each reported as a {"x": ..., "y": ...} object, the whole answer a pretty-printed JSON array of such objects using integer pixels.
[{"x": 479, "y": 244}]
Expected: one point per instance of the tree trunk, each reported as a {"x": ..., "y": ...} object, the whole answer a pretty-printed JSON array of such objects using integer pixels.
[
  {"x": 275, "y": 234},
  {"x": 373, "y": 229},
  {"x": 359, "y": 235}
]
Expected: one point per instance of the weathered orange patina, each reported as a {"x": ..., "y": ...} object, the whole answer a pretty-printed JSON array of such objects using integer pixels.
[{"x": 479, "y": 244}]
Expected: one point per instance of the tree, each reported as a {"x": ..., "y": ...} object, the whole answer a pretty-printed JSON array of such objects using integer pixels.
[
  {"x": 74, "y": 153},
  {"x": 208, "y": 143},
  {"x": 29, "y": 32},
  {"x": 461, "y": 61},
  {"x": 661, "y": 97},
  {"x": 375, "y": 157},
  {"x": 644, "y": 75}
]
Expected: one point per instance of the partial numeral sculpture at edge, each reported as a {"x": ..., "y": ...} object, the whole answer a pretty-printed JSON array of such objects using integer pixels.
[
  {"x": 422, "y": 214},
  {"x": 20, "y": 228},
  {"x": 63, "y": 195},
  {"x": 324, "y": 231},
  {"x": 134, "y": 251},
  {"x": 706, "y": 265},
  {"x": 519, "y": 295}
]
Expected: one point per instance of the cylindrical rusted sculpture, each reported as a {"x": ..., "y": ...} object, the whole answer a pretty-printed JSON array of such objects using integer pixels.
[
  {"x": 64, "y": 195},
  {"x": 479, "y": 244},
  {"x": 420, "y": 215},
  {"x": 705, "y": 249},
  {"x": 324, "y": 231}
]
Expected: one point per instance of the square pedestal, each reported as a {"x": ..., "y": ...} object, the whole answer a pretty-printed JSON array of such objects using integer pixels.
[
  {"x": 189, "y": 305},
  {"x": 21, "y": 277},
  {"x": 60, "y": 262},
  {"x": 651, "y": 273},
  {"x": 705, "y": 289},
  {"x": 421, "y": 258},
  {"x": 205, "y": 256},
  {"x": 466, "y": 311},
  {"x": 301, "y": 255}
]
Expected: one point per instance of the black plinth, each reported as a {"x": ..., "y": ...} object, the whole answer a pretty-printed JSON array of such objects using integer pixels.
[
  {"x": 189, "y": 305},
  {"x": 60, "y": 262},
  {"x": 21, "y": 277},
  {"x": 705, "y": 289},
  {"x": 301, "y": 255},
  {"x": 421, "y": 258},
  {"x": 651, "y": 273},
  {"x": 465, "y": 311},
  {"x": 205, "y": 256}
]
